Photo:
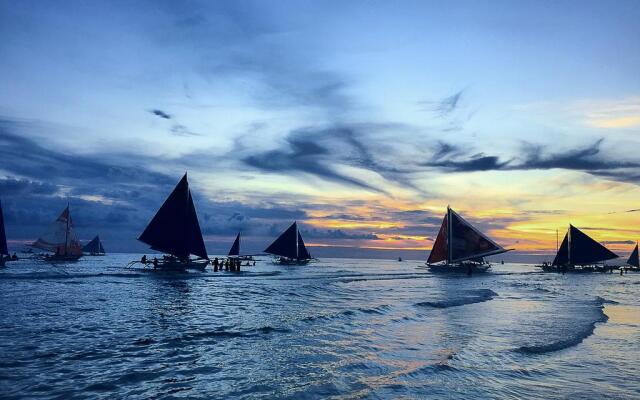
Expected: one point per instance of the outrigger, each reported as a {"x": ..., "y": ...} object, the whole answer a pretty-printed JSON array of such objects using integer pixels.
[
  {"x": 289, "y": 248},
  {"x": 460, "y": 247},
  {"x": 175, "y": 231},
  {"x": 579, "y": 253}
]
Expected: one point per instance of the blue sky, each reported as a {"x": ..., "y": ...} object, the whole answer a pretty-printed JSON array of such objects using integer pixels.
[{"x": 361, "y": 119}]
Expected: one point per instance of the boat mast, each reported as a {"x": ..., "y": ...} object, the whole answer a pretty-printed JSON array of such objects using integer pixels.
[
  {"x": 66, "y": 232},
  {"x": 557, "y": 247},
  {"x": 569, "y": 245},
  {"x": 449, "y": 236},
  {"x": 297, "y": 244}
]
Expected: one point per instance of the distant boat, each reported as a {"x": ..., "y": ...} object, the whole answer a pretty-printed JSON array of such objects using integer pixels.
[
  {"x": 94, "y": 247},
  {"x": 4, "y": 251},
  {"x": 175, "y": 231},
  {"x": 634, "y": 260},
  {"x": 60, "y": 239},
  {"x": 289, "y": 248},
  {"x": 399, "y": 259},
  {"x": 579, "y": 253},
  {"x": 460, "y": 247},
  {"x": 234, "y": 252}
]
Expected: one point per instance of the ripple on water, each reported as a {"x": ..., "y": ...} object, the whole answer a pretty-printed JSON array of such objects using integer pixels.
[{"x": 461, "y": 298}]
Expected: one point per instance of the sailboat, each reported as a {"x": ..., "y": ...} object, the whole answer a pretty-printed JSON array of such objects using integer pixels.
[
  {"x": 175, "y": 231},
  {"x": 289, "y": 248},
  {"x": 4, "y": 251},
  {"x": 94, "y": 247},
  {"x": 578, "y": 253},
  {"x": 634, "y": 260},
  {"x": 460, "y": 247},
  {"x": 60, "y": 239},
  {"x": 234, "y": 252}
]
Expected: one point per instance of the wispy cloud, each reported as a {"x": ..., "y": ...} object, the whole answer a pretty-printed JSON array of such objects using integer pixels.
[
  {"x": 443, "y": 107},
  {"x": 589, "y": 159},
  {"x": 160, "y": 114}
]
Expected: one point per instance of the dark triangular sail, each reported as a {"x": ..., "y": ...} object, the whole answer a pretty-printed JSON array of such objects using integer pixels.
[
  {"x": 439, "y": 250},
  {"x": 303, "y": 253},
  {"x": 585, "y": 250},
  {"x": 286, "y": 244},
  {"x": 466, "y": 242},
  {"x": 235, "y": 248},
  {"x": 175, "y": 229},
  {"x": 633, "y": 258},
  {"x": 3, "y": 235},
  {"x": 562, "y": 257},
  {"x": 94, "y": 246},
  {"x": 577, "y": 248}
]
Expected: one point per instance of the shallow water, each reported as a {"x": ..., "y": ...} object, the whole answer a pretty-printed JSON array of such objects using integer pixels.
[{"x": 339, "y": 328}]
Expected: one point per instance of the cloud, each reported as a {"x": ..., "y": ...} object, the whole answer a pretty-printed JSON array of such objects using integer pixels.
[
  {"x": 589, "y": 159},
  {"x": 320, "y": 151},
  {"x": 477, "y": 163},
  {"x": 160, "y": 114},
  {"x": 181, "y": 130},
  {"x": 444, "y": 106},
  {"x": 307, "y": 151},
  {"x": 337, "y": 234},
  {"x": 618, "y": 242},
  {"x": 13, "y": 187},
  {"x": 24, "y": 157}
]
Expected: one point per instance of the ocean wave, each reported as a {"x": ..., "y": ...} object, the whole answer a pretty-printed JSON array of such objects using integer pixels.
[
  {"x": 467, "y": 297},
  {"x": 601, "y": 301},
  {"x": 230, "y": 333},
  {"x": 65, "y": 275},
  {"x": 574, "y": 338},
  {"x": 379, "y": 310}
]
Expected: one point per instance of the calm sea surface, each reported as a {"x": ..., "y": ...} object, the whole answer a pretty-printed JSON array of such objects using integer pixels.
[{"x": 335, "y": 329}]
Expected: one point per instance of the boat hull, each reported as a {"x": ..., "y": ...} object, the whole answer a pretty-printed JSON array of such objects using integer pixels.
[
  {"x": 179, "y": 266},
  {"x": 577, "y": 269},
  {"x": 61, "y": 259},
  {"x": 289, "y": 261},
  {"x": 459, "y": 268}
]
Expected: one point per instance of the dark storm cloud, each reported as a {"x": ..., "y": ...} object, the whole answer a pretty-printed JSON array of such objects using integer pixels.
[
  {"x": 443, "y": 150},
  {"x": 315, "y": 151},
  {"x": 337, "y": 234},
  {"x": 589, "y": 159},
  {"x": 302, "y": 154},
  {"x": 12, "y": 186},
  {"x": 344, "y": 217},
  {"x": 585, "y": 159},
  {"x": 160, "y": 114},
  {"x": 478, "y": 163},
  {"x": 25, "y": 157}
]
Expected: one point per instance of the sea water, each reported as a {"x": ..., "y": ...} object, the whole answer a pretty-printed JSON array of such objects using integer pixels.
[{"x": 339, "y": 328}]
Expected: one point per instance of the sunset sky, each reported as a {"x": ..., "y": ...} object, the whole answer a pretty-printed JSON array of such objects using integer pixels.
[{"x": 360, "y": 119}]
